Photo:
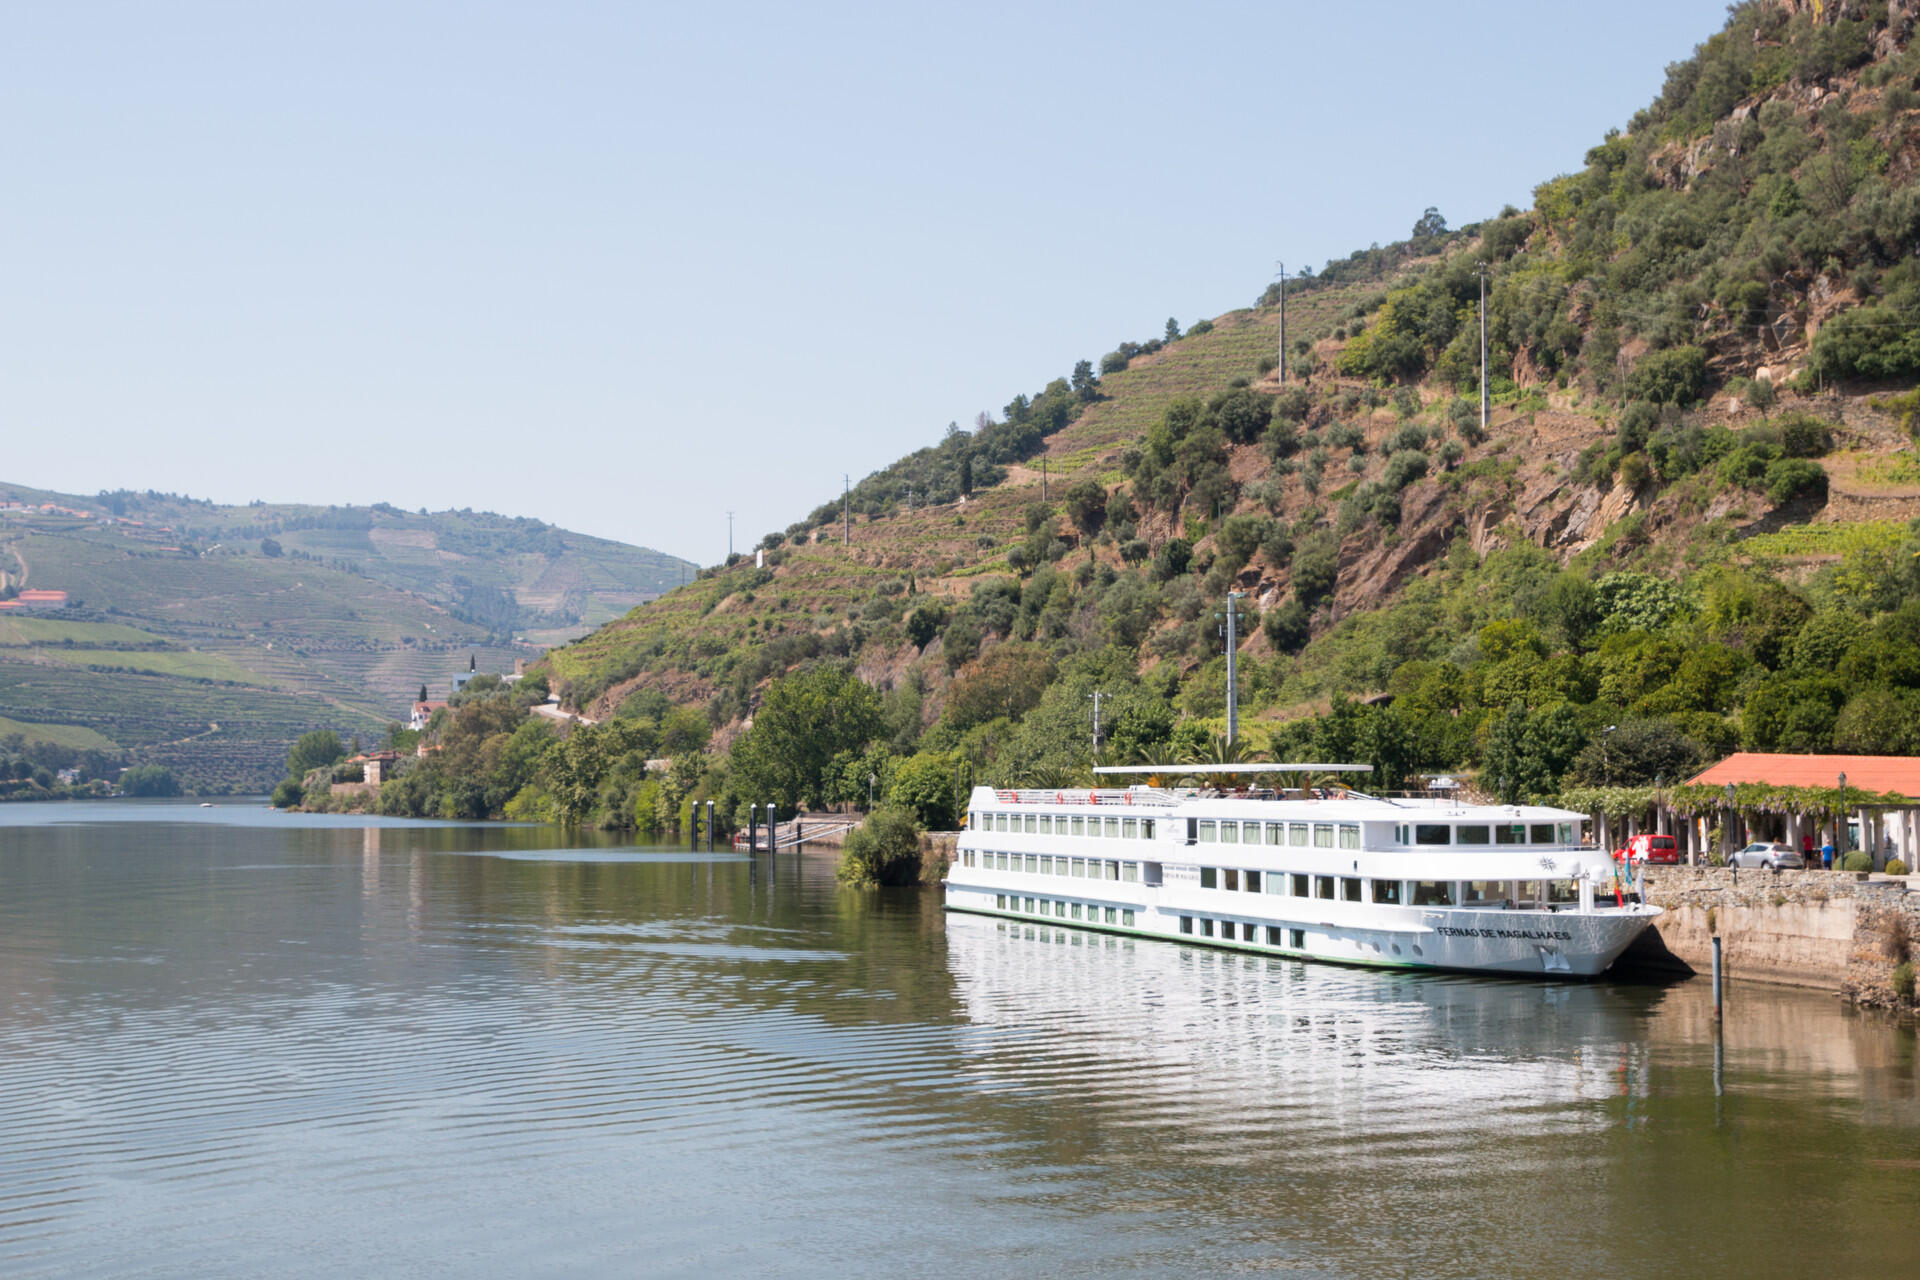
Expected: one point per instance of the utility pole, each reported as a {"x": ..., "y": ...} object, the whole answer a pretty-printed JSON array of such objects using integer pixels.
[
  {"x": 1097, "y": 695},
  {"x": 729, "y": 535},
  {"x": 1043, "y": 479},
  {"x": 1483, "y": 349},
  {"x": 1233, "y": 682},
  {"x": 1283, "y": 320},
  {"x": 846, "y": 510}
]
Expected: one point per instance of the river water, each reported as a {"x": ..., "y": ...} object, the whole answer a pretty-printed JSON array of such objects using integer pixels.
[{"x": 235, "y": 1043}]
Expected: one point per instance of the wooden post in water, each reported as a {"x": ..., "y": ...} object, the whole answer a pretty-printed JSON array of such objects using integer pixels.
[
  {"x": 773, "y": 829},
  {"x": 709, "y": 826},
  {"x": 753, "y": 828},
  {"x": 1717, "y": 977}
]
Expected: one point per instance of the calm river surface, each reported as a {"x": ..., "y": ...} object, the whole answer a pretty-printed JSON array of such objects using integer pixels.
[{"x": 234, "y": 1043}]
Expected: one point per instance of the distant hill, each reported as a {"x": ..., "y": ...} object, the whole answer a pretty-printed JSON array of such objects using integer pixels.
[{"x": 268, "y": 620}]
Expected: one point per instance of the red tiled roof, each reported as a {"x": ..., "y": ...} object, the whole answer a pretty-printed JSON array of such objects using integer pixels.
[{"x": 1898, "y": 774}]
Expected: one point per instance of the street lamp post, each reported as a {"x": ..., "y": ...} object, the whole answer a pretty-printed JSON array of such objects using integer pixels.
[
  {"x": 1840, "y": 824},
  {"x": 1729, "y": 835}
]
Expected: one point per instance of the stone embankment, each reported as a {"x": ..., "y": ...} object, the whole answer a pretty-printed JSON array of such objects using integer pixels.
[{"x": 1836, "y": 931}]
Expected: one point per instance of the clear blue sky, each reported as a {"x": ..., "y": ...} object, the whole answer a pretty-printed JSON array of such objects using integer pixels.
[{"x": 625, "y": 266}]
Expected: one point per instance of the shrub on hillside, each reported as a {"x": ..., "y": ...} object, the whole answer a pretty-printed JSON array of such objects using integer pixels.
[
  {"x": 1403, "y": 469},
  {"x": 1287, "y": 627},
  {"x": 1804, "y": 436},
  {"x": 1675, "y": 376},
  {"x": 1172, "y": 559},
  {"x": 1315, "y": 569},
  {"x": 1790, "y": 478}
]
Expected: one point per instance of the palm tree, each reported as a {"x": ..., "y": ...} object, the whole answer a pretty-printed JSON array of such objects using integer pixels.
[
  {"x": 1221, "y": 750},
  {"x": 1157, "y": 757}
]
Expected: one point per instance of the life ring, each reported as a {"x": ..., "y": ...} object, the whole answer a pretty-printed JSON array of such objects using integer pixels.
[
  {"x": 1093, "y": 797},
  {"x": 1059, "y": 797},
  {"x": 1129, "y": 797}
]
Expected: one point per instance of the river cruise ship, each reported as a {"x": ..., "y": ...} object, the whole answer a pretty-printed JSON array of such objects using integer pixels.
[{"x": 1319, "y": 872}]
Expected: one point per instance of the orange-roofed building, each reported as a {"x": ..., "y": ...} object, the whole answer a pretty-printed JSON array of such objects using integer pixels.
[
  {"x": 1884, "y": 830},
  {"x": 38, "y": 599}
]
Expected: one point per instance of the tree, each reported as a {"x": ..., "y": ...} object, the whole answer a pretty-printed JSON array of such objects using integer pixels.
[
  {"x": 1675, "y": 376},
  {"x": 1173, "y": 329},
  {"x": 927, "y": 786},
  {"x": 270, "y": 548},
  {"x": 1430, "y": 224},
  {"x": 804, "y": 722},
  {"x": 1084, "y": 384},
  {"x": 1087, "y": 504},
  {"x": 885, "y": 851},
  {"x": 1636, "y": 754},
  {"x": 1315, "y": 569},
  {"x": 423, "y": 693},
  {"x": 313, "y": 751}
]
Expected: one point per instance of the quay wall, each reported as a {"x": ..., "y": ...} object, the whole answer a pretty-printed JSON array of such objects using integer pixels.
[{"x": 1843, "y": 932}]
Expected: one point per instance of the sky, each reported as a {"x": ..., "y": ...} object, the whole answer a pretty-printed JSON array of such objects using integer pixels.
[{"x": 627, "y": 267}]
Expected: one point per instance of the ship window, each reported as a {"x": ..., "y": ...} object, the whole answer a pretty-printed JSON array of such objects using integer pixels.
[
  {"x": 1349, "y": 836},
  {"x": 1186, "y": 924},
  {"x": 1276, "y": 882},
  {"x": 1130, "y": 828},
  {"x": 1110, "y": 913},
  {"x": 1566, "y": 833},
  {"x": 1033, "y": 864},
  {"x": 1323, "y": 886},
  {"x": 1387, "y": 892},
  {"x": 1299, "y": 886},
  {"x": 1230, "y": 878},
  {"x": 1428, "y": 833},
  {"x": 1473, "y": 835},
  {"x": 1276, "y": 833},
  {"x": 1093, "y": 827},
  {"x": 1209, "y": 878},
  {"x": 1060, "y": 867},
  {"x": 1113, "y": 871},
  {"x": 1250, "y": 832},
  {"x": 1000, "y": 901},
  {"x": 1079, "y": 824},
  {"x": 1033, "y": 823},
  {"x": 1432, "y": 893},
  {"x": 1074, "y": 910},
  {"x": 1509, "y": 833},
  {"x": 1080, "y": 867},
  {"x": 1298, "y": 939},
  {"x": 1488, "y": 890},
  {"x": 1253, "y": 881},
  {"x": 1229, "y": 833},
  {"x": 1298, "y": 834},
  {"x": 1146, "y": 828},
  {"x": 1209, "y": 831},
  {"x": 1206, "y": 928},
  {"x": 1046, "y": 824},
  {"x": 1130, "y": 872},
  {"x": 1060, "y": 910},
  {"x": 1046, "y": 864},
  {"x": 1249, "y": 932},
  {"x": 1126, "y": 918},
  {"x": 1113, "y": 828},
  {"x": 1543, "y": 833},
  {"x": 1323, "y": 835},
  {"x": 1028, "y": 907},
  {"x": 1563, "y": 891},
  {"x": 1350, "y": 888},
  {"x": 1275, "y": 934}
]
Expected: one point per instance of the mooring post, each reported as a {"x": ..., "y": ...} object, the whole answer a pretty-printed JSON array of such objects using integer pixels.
[
  {"x": 693, "y": 827},
  {"x": 773, "y": 829},
  {"x": 1717, "y": 978},
  {"x": 753, "y": 828},
  {"x": 709, "y": 826}
]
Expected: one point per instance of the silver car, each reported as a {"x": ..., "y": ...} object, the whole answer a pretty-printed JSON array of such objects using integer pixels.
[{"x": 1768, "y": 855}]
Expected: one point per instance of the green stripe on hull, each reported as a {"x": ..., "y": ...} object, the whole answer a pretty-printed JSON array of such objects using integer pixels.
[{"x": 1219, "y": 944}]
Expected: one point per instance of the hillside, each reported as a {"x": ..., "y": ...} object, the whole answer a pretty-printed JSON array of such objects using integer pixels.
[
  {"x": 1688, "y": 524},
  {"x": 207, "y": 638}
]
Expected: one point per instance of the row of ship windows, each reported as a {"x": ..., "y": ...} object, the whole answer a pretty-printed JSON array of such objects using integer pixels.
[
  {"x": 1438, "y": 833},
  {"x": 1418, "y": 893},
  {"x": 1046, "y": 864},
  {"x": 1046, "y": 824},
  {"x": 1277, "y": 935},
  {"x": 1063, "y": 910},
  {"x": 1299, "y": 835}
]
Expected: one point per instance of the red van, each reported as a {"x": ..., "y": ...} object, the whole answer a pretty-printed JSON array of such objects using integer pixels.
[{"x": 1649, "y": 848}]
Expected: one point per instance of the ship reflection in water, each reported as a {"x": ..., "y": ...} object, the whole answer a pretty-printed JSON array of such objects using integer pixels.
[{"x": 1445, "y": 1117}]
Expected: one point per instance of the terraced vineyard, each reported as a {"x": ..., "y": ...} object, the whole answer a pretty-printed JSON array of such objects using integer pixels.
[{"x": 207, "y": 638}]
